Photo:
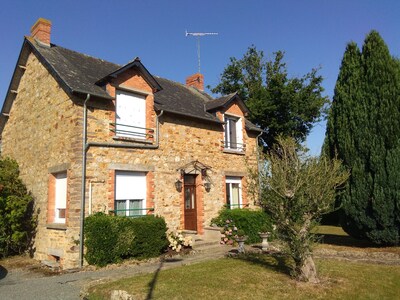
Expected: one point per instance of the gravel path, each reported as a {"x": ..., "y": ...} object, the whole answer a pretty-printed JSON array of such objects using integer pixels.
[{"x": 21, "y": 284}]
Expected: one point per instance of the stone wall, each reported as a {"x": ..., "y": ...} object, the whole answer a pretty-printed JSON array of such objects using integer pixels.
[{"x": 44, "y": 134}]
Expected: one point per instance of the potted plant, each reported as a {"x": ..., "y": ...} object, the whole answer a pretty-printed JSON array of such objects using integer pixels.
[
  {"x": 264, "y": 235},
  {"x": 240, "y": 239}
]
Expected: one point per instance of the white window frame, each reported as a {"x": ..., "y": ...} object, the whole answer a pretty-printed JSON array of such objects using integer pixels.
[
  {"x": 229, "y": 180},
  {"x": 131, "y": 126},
  {"x": 229, "y": 119},
  {"x": 60, "y": 197},
  {"x": 134, "y": 189}
]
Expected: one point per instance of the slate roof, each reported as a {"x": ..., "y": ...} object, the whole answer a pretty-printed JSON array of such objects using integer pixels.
[{"x": 82, "y": 74}]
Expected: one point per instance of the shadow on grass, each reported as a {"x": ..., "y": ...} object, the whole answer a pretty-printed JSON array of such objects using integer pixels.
[
  {"x": 340, "y": 240},
  {"x": 275, "y": 261},
  {"x": 152, "y": 283}
]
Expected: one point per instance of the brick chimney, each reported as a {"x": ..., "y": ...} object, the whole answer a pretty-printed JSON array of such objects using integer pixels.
[
  {"x": 41, "y": 31},
  {"x": 196, "y": 80}
]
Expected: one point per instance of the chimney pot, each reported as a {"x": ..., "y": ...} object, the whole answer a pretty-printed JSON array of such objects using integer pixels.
[
  {"x": 196, "y": 80},
  {"x": 41, "y": 31}
]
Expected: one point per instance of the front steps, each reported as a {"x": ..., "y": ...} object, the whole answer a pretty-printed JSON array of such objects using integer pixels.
[{"x": 209, "y": 240}]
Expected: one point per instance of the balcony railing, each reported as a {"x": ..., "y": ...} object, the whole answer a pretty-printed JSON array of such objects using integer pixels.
[
  {"x": 233, "y": 146},
  {"x": 238, "y": 205},
  {"x": 133, "y": 132},
  {"x": 137, "y": 212}
]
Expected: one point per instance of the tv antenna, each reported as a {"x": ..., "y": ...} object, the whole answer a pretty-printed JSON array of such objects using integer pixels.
[{"x": 197, "y": 35}]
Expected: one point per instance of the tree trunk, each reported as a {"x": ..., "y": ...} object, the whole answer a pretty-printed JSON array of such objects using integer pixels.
[{"x": 307, "y": 271}]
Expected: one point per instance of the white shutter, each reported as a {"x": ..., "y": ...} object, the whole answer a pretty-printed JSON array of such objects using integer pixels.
[
  {"x": 61, "y": 197},
  {"x": 130, "y": 185},
  {"x": 239, "y": 134},
  {"x": 130, "y": 111}
]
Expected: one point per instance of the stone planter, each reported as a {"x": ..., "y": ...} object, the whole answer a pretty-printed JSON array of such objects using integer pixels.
[
  {"x": 264, "y": 236},
  {"x": 240, "y": 240}
]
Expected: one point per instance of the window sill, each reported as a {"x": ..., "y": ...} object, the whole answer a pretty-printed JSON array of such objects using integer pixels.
[
  {"x": 56, "y": 226},
  {"x": 231, "y": 151},
  {"x": 133, "y": 140}
]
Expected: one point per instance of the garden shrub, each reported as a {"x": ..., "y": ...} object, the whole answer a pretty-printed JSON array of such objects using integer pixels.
[
  {"x": 17, "y": 216},
  {"x": 110, "y": 239},
  {"x": 250, "y": 221}
]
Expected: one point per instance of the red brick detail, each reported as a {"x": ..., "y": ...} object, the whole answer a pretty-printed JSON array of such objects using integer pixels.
[
  {"x": 200, "y": 204},
  {"x": 224, "y": 202},
  {"x": 41, "y": 30},
  {"x": 150, "y": 191},
  {"x": 111, "y": 189},
  {"x": 244, "y": 192},
  {"x": 67, "y": 200},
  {"x": 196, "y": 80},
  {"x": 51, "y": 199}
]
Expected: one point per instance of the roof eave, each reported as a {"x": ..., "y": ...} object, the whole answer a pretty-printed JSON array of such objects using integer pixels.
[
  {"x": 135, "y": 63},
  {"x": 216, "y": 121}
]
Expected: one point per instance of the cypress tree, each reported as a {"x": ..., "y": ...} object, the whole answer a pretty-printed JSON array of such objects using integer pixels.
[{"x": 364, "y": 131}]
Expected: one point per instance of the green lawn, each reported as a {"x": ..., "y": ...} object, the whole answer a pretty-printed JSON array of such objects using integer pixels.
[{"x": 260, "y": 277}]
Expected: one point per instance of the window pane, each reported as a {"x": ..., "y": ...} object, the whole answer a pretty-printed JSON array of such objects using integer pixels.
[
  {"x": 120, "y": 207},
  {"x": 137, "y": 206},
  {"x": 232, "y": 134},
  {"x": 228, "y": 194},
  {"x": 235, "y": 194},
  {"x": 187, "y": 197}
]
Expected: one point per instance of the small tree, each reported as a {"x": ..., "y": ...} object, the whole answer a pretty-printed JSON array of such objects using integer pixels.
[
  {"x": 296, "y": 190},
  {"x": 17, "y": 218}
]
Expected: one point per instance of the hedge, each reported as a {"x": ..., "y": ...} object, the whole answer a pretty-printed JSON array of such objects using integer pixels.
[
  {"x": 110, "y": 239},
  {"x": 250, "y": 221}
]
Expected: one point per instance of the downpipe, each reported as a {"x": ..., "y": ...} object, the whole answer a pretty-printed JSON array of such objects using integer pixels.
[
  {"x": 85, "y": 148},
  {"x": 83, "y": 191}
]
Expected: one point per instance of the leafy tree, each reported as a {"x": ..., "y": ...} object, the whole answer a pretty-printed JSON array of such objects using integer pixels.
[
  {"x": 17, "y": 218},
  {"x": 364, "y": 131},
  {"x": 296, "y": 189},
  {"x": 278, "y": 104}
]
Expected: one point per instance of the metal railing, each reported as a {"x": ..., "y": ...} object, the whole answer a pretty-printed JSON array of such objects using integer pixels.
[
  {"x": 139, "y": 210},
  {"x": 130, "y": 131},
  {"x": 233, "y": 146},
  {"x": 233, "y": 206}
]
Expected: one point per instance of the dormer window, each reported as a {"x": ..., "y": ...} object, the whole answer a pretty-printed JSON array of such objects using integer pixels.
[
  {"x": 233, "y": 133},
  {"x": 130, "y": 116}
]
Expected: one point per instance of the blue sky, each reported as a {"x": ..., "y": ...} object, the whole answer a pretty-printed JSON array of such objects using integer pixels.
[{"x": 313, "y": 33}]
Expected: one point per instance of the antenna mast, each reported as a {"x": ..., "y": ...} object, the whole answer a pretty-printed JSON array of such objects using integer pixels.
[{"x": 197, "y": 35}]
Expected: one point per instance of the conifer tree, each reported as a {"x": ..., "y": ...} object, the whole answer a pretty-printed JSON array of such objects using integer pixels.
[{"x": 364, "y": 132}]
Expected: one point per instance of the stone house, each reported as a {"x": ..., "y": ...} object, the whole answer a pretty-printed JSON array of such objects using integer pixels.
[{"x": 93, "y": 136}]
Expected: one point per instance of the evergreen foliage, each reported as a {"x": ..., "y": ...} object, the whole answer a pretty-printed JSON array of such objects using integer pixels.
[
  {"x": 363, "y": 131},
  {"x": 250, "y": 221},
  {"x": 17, "y": 219},
  {"x": 278, "y": 104},
  {"x": 110, "y": 239}
]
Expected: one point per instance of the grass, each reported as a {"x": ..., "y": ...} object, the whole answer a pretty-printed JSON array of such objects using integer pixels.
[{"x": 259, "y": 277}]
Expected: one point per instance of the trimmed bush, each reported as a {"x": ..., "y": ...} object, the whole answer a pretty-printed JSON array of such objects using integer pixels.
[
  {"x": 18, "y": 219},
  {"x": 250, "y": 221},
  {"x": 110, "y": 239}
]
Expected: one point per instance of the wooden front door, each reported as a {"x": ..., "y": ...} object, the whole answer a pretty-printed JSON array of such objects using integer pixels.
[{"x": 190, "y": 202}]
